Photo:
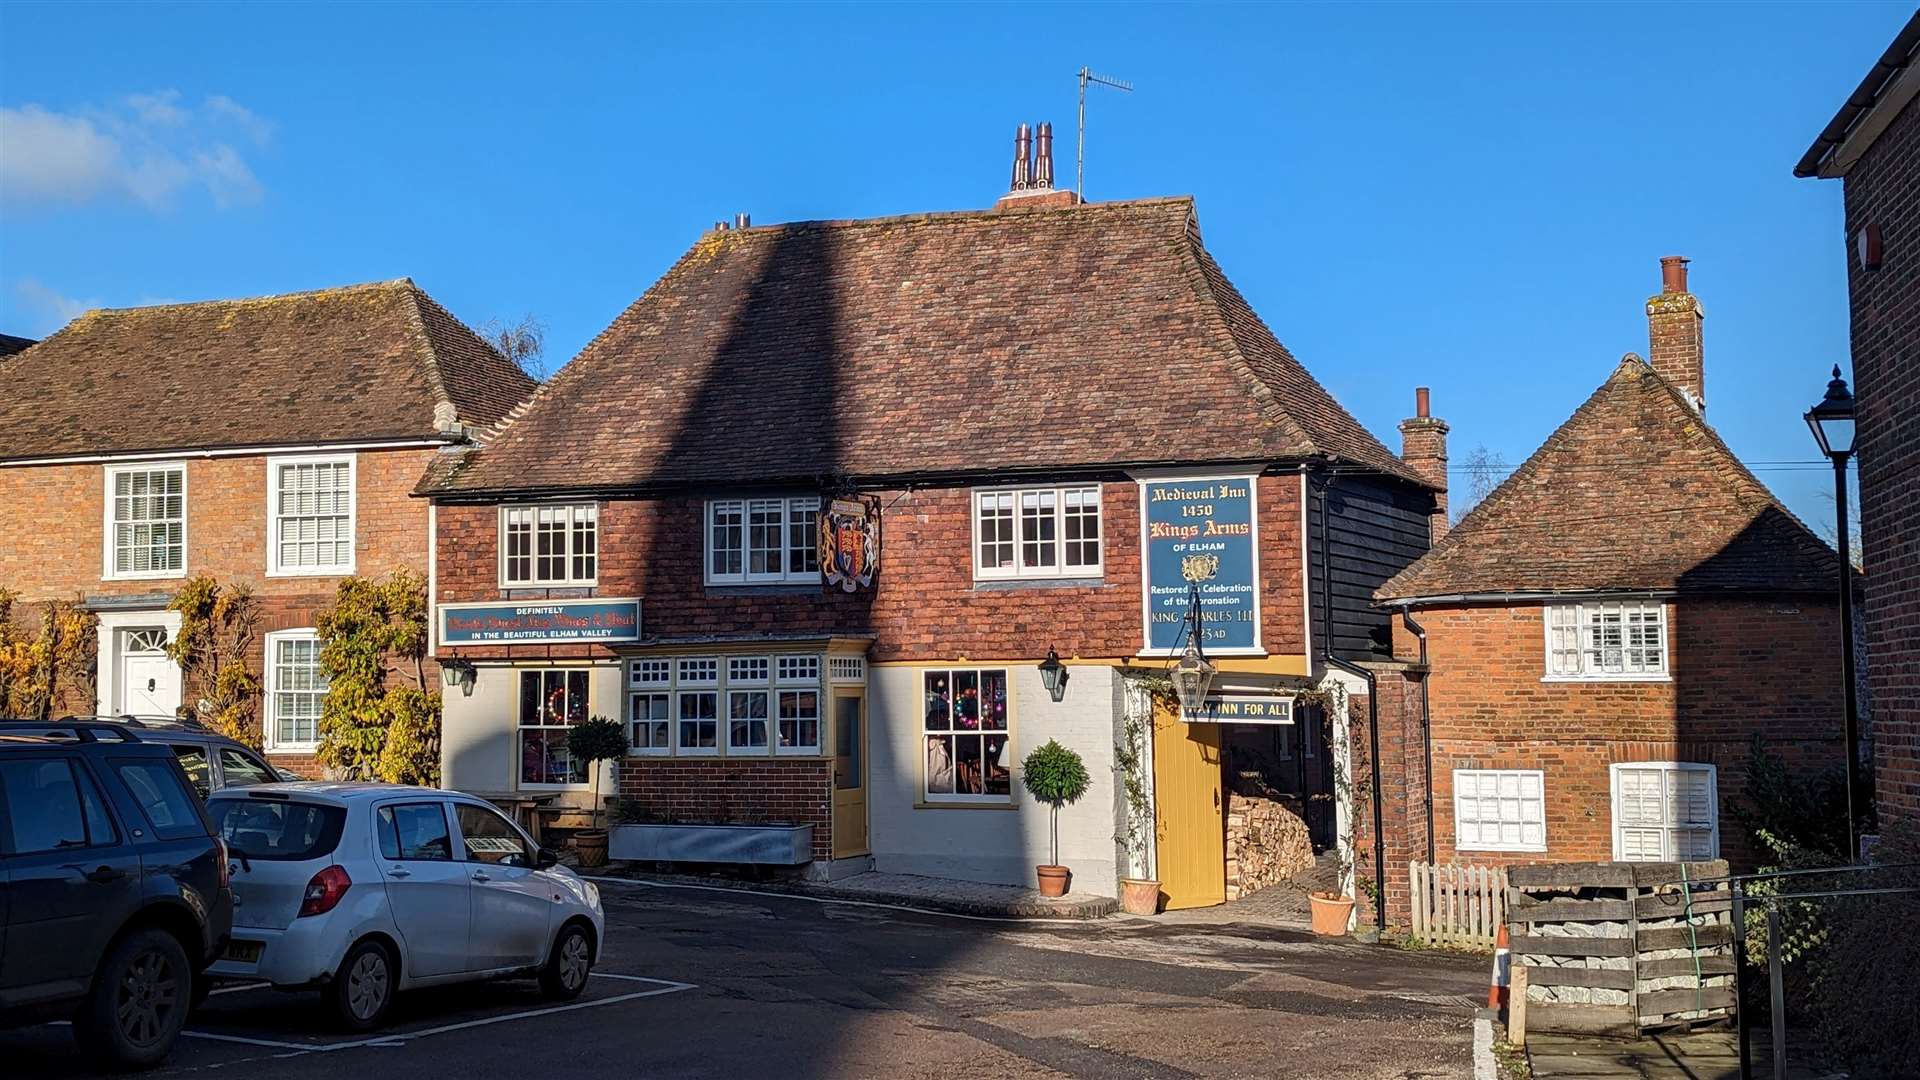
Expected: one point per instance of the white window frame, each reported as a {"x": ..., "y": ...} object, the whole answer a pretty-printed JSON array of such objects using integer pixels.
[
  {"x": 1020, "y": 539},
  {"x": 665, "y": 749},
  {"x": 1539, "y": 777},
  {"x": 534, "y": 580},
  {"x": 719, "y": 720},
  {"x": 723, "y": 676},
  {"x": 272, "y": 741},
  {"x": 520, "y": 726},
  {"x": 107, "y": 572},
  {"x": 847, "y": 670},
  {"x": 1667, "y": 826},
  {"x": 819, "y": 720},
  {"x": 274, "y": 464},
  {"x": 1581, "y": 613},
  {"x": 650, "y": 673},
  {"x": 922, "y": 732},
  {"x": 794, "y": 509}
]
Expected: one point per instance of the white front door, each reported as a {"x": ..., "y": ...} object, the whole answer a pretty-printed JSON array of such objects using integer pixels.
[{"x": 149, "y": 679}]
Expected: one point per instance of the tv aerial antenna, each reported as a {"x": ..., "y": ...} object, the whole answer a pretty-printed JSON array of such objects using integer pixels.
[{"x": 1088, "y": 75}]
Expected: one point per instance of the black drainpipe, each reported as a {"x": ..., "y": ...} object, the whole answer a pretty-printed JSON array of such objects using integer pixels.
[
  {"x": 1426, "y": 719},
  {"x": 1373, "y": 701}
]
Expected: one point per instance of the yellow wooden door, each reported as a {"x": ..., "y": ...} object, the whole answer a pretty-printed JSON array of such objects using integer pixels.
[
  {"x": 1190, "y": 812},
  {"x": 849, "y": 774}
]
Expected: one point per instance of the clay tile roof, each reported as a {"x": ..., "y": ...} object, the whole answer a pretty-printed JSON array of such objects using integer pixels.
[
  {"x": 363, "y": 362},
  {"x": 1633, "y": 493},
  {"x": 941, "y": 344}
]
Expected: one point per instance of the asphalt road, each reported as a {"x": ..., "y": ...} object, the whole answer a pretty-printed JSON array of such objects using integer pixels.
[{"x": 703, "y": 982}]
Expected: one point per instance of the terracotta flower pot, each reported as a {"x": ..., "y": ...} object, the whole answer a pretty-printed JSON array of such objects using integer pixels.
[
  {"x": 1053, "y": 880},
  {"x": 1139, "y": 896},
  {"x": 1330, "y": 913},
  {"x": 591, "y": 847}
]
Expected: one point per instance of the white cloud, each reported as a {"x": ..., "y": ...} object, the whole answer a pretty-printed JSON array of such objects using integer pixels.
[
  {"x": 149, "y": 148},
  {"x": 50, "y": 309}
]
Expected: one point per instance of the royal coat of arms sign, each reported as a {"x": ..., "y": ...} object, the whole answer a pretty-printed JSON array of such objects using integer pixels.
[{"x": 849, "y": 543}]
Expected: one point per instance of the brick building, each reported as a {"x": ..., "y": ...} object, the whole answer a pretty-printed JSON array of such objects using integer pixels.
[
  {"x": 1605, "y": 636},
  {"x": 1025, "y": 399},
  {"x": 272, "y": 442},
  {"x": 1874, "y": 143}
]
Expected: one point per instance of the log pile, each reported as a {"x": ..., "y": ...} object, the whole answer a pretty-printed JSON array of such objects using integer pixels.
[{"x": 1266, "y": 843}]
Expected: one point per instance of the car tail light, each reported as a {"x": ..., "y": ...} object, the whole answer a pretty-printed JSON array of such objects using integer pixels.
[
  {"x": 324, "y": 891},
  {"x": 226, "y": 863}
]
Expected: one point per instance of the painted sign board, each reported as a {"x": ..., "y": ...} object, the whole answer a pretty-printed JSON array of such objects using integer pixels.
[
  {"x": 1204, "y": 532},
  {"x": 849, "y": 543},
  {"x": 1244, "y": 709},
  {"x": 543, "y": 622}
]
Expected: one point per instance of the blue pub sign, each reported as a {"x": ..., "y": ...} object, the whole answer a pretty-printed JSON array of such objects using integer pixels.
[
  {"x": 1201, "y": 532},
  {"x": 540, "y": 622}
]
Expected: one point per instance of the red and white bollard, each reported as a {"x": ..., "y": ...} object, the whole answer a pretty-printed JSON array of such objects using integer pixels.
[{"x": 1502, "y": 968}]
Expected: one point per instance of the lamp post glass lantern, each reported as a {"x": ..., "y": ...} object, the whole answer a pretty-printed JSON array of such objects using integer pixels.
[
  {"x": 460, "y": 673},
  {"x": 1192, "y": 677},
  {"x": 1053, "y": 675},
  {"x": 1831, "y": 421}
]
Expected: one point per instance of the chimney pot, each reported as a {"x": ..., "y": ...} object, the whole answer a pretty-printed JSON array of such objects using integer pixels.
[
  {"x": 1675, "y": 343},
  {"x": 742, "y": 221},
  {"x": 1022, "y": 159},
  {"x": 1673, "y": 274},
  {"x": 1043, "y": 166},
  {"x": 1423, "y": 446}
]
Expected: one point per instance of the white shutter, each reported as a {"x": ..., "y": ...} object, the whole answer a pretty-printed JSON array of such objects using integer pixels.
[{"x": 1664, "y": 812}]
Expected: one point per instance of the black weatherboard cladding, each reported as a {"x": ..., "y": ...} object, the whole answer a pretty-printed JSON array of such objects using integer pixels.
[{"x": 1373, "y": 529}]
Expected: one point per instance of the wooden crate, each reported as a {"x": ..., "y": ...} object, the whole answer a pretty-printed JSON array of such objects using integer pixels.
[{"x": 1622, "y": 948}]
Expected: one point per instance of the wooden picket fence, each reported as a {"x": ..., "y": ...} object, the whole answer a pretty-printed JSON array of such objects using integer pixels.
[{"x": 1457, "y": 906}]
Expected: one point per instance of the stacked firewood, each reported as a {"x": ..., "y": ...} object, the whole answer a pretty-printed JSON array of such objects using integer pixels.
[{"x": 1266, "y": 843}]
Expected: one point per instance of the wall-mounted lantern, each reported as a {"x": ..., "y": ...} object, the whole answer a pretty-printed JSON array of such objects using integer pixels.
[
  {"x": 460, "y": 673},
  {"x": 1053, "y": 675}
]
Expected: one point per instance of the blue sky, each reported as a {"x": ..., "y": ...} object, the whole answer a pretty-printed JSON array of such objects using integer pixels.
[{"x": 1473, "y": 198}]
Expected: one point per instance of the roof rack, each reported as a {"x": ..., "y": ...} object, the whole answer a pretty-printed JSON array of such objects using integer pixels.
[
  {"x": 83, "y": 730},
  {"x": 143, "y": 720}
]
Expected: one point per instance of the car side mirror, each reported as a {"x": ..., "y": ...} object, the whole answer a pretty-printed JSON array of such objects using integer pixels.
[{"x": 545, "y": 858}]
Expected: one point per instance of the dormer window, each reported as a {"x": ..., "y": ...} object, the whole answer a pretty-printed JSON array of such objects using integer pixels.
[{"x": 770, "y": 541}]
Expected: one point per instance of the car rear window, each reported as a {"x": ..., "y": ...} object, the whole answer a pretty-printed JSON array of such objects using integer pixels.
[
  {"x": 275, "y": 830},
  {"x": 161, "y": 790}
]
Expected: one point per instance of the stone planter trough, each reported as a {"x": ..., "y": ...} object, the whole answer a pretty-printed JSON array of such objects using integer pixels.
[{"x": 767, "y": 845}]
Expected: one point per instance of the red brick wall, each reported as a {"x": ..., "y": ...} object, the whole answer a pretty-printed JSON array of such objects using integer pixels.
[
  {"x": 1883, "y": 189},
  {"x": 1403, "y": 784},
  {"x": 722, "y": 790},
  {"x": 927, "y": 604},
  {"x": 52, "y": 518},
  {"x": 1739, "y": 668}
]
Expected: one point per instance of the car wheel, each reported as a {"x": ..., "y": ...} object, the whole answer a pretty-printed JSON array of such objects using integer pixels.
[
  {"x": 569, "y": 964},
  {"x": 361, "y": 992},
  {"x": 138, "y": 1002}
]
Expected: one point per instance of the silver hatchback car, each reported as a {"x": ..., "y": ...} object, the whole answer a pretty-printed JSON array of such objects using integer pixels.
[{"x": 363, "y": 890}]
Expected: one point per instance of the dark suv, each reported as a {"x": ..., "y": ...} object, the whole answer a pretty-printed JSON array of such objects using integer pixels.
[
  {"x": 113, "y": 888},
  {"x": 212, "y": 760}
]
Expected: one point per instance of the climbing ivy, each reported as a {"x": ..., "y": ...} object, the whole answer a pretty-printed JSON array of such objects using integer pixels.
[
  {"x": 37, "y": 669},
  {"x": 218, "y": 625},
  {"x": 371, "y": 727}
]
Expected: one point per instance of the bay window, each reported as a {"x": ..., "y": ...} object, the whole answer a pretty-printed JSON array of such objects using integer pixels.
[
  {"x": 1037, "y": 532},
  {"x": 763, "y": 541},
  {"x": 753, "y": 705}
]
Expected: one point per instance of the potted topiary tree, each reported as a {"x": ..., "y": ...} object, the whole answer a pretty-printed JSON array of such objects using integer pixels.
[
  {"x": 597, "y": 739},
  {"x": 1056, "y": 776}
]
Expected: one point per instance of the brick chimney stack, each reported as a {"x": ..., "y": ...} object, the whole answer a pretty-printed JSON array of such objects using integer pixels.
[
  {"x": 1423, "y": 446},
  {"x": 1033, "y": 172},
  {"x": 1673, "y": 332}
]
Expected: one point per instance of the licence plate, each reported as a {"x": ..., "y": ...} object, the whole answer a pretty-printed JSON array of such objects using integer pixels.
[{"x": 244, "y": 952}]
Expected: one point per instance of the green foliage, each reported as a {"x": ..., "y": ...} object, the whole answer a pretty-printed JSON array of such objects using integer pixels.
[
  {"x": 1865, "y": 995},
  {"x": 376, "y": 631},
  {"x": 1788, "y": 809},
  {"x": 34, "y": 668},
  {"x": 1129, "y": 760},
  {"x": 594, "y": 740},
  {"x": 217, "y": 627},
  {"x": 412, "y": 751},
  {"x": 1055, "y": 775}
]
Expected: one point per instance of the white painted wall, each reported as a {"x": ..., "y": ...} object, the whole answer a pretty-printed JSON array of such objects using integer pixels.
[
  {"x": 997, "y": 845},
  {"x": 479, "y": 742}
]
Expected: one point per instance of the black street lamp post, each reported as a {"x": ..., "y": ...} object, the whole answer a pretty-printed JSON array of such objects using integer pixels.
[{"x": 1832, "y": 424}]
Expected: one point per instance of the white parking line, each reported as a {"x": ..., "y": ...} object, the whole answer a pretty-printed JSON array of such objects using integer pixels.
[
  {"x": 1041, "y": 919},
  {"x": 664, "y": 986}
]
